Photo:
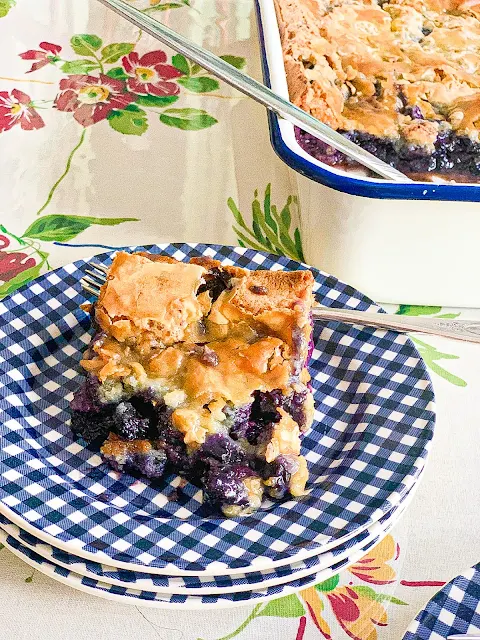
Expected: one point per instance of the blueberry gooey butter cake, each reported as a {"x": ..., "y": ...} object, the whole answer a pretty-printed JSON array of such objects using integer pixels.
[
  {"x": 200, "y": 369},
  {"x": 401, "y": 78}
]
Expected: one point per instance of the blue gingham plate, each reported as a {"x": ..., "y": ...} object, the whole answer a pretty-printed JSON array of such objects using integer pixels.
[
  {"x": 454, "y": 610},
  {"x": 129, "y": 595},
  {"x": 373, "y": 425},
  {"x": 199, "y": 585}
]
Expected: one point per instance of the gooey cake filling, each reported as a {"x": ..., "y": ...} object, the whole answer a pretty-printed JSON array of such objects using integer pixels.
[
  {"x": 399, "y": 78},
  {"x": 200, "y": 369}
]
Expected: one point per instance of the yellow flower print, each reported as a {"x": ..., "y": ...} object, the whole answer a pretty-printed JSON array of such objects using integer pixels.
[
  {"x": 373, "y": 567},
  {"x": 357, "y": 614},
  {"x": 315, "y": 607}
]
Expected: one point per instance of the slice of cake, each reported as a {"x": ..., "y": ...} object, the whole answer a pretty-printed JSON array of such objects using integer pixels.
[{"x": 200, "y": 369}]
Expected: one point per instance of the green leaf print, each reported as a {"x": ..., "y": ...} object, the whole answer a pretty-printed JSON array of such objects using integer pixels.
[
  {"x": 452, "y": 316},
  {"x": 187, "y": 119},
  {"x": 236, "y": 61},
  {"x": 60, "y": 228},
  {"x": 5, "y": 6},
  {"x": 328, "y": 585},
  {"x": 164, "y": 7},
  {"x": 413, "y": 310},
  {"x": 79, "y": 66},
  {"x": 113, "y": 52},
  {"x": 181, "y": 63},
  {"x": 118, "y": 73},
  {"x": 21, "y": 279},
  {"x": 429, "y": 353},
  {"x": 155, "y": 101},
  {"x": 270, "y": 231},
  {"x": 131, "y": 121},
  {"x": 190, "y": 68},
  {"x": 86, "y": 44},
  {"x": 286, "y": 607},
  {"x": 199, "y": 85},
  {"x": 371, "y": 594},
  {"x": 29, "y": 579}
]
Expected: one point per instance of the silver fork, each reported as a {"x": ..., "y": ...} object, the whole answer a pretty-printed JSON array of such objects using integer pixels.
[{"x": 467, "y": 330}]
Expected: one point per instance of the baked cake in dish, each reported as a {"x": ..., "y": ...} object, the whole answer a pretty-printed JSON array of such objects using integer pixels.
[
  {"x": 200, "y": 369},
  {"x": 401, "y": 79}
]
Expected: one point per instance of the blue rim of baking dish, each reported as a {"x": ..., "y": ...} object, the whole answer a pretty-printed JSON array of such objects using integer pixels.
[{"x": 356, "y": 186}]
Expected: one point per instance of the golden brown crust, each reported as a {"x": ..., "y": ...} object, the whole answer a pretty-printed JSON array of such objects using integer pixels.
[
  {"x": 357, "y": 64},
  {"x": 263, "y": 291},
  {"x": 157, "y": 297},
  {"x": 118, "y": 447},
  {"x": 255, "y": 339}
]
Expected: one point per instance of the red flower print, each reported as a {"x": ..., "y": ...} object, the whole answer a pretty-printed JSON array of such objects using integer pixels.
[
  {"x": 148, "y": 74},
  {"x": 357, "y": 614},
  {"x": 91, "y": 99},
  {"x": 11, "y": 264},
  {"x": 42, "y": 57},
  {"x": 15, "y": 108}
]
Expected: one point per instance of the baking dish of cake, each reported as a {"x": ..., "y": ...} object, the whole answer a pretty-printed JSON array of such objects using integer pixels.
[
  {"x": 400, "y": 78},
  {"x": 394, "y": 250}
]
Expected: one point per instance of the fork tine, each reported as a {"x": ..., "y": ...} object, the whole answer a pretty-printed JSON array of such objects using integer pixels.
[
  {"x": 90, "y": 286},
  {"x": 100, "y": 267},
  {"x": 97, "y": 279}
]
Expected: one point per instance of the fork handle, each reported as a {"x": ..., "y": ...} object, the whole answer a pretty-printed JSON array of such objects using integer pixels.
[{"x": 468, "y": 330}]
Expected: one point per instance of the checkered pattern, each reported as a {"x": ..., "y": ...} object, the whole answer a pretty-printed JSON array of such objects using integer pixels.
[
  {"x": 197, "y": 584},
  {"x": 373, "y": 424},
  {"x": 453, "y": 610},
  {"x": 132, "y": 596}
]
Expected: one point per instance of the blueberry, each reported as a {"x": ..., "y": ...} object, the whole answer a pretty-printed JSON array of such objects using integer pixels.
[
  {"x": 414, "y": 112},
  {"x": 218, "y": 450},
  {"x": 171, "y": 440},
  {"x": 225, "y": 487},
  {"x": 128, "y": 422},
  {"x": 92, "y": 425},
  {"x": 150, "y": 463},
  {"x": 277, "y": 476},
  {"x": 216, "y": 281},
  {"x": 475, "y": 165},
  {"x": 294, "y": 405},
  {"x": 85, "y": 398},
  {"x": 239, "y": 418}
]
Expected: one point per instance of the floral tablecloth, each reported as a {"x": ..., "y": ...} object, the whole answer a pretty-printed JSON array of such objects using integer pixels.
[{"x": 107, "y": 140}]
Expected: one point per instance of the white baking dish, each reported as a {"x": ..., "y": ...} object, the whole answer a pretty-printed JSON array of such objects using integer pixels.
[{"x": 412, "y": 243}]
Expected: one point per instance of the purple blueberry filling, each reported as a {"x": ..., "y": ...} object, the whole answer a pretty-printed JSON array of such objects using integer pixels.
[
  {"x": 92, "y": 425},
  {"x": 218, "y": 450},
  {"x": 150, "y": 464},
  {"x": 216, "y": 281},
  {"x": 278, "y": 474},
  {"x": 225, "y": 486},
  {"x": 453, "y": 155},
  {"x": 85, "y": 397},
  {"x": 90, "y": 419},
  {"x": 129, "y": 424}
]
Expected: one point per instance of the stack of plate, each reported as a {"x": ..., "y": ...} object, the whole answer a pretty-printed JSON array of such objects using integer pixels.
[{"x": 69, "y": 515}]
